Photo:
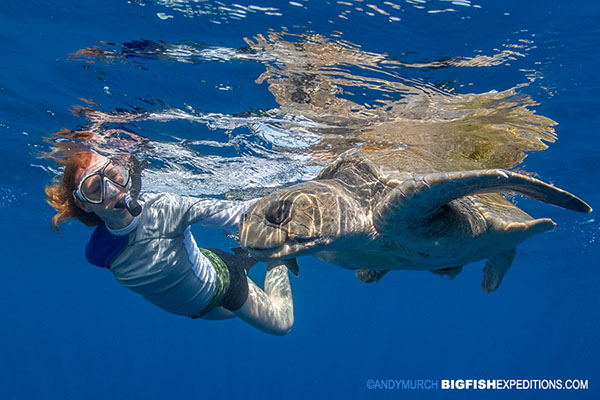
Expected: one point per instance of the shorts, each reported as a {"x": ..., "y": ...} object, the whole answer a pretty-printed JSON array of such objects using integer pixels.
[{"x": 231, "y": 289}]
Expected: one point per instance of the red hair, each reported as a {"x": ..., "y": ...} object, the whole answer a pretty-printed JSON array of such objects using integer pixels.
[{"x": 72, "y": 156}]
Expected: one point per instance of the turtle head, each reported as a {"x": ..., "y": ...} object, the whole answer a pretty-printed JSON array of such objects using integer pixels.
[{"x": 298, "y": 221}]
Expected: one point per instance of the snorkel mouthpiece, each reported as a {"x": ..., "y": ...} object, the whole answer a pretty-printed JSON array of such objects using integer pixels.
[
  {"x": 130, "y": 200},
  {"x": 130, "y": 204}
]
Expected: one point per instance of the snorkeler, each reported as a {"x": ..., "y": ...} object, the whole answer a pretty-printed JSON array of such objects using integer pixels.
[{"x": 154, "y": 253}]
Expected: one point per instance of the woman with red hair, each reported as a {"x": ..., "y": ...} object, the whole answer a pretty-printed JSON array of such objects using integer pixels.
[{"x": 154, "y": 253}]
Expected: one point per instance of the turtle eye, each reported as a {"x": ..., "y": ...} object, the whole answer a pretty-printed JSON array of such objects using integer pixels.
[{"x": 278, "y": 212}]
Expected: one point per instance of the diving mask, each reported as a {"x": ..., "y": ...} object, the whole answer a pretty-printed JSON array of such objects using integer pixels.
[{"x": 105, "y": 182}]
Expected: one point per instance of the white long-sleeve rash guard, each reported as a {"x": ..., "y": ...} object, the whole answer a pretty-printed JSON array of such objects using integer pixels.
[{"x": 156, "y": 255}]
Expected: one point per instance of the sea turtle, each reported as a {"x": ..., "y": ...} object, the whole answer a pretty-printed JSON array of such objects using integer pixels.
[{"x": 376, "y": 210}]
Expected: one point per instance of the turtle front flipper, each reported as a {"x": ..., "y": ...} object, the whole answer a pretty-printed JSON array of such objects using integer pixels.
[
  {"x": 371, "y": 275},
  {"x": 495, "y": 268},
  {"x": 291, "y": 264},
  {"x": 416, "y": 200}
]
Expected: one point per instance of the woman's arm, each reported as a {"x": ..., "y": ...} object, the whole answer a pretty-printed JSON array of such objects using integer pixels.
[{"x": 228, "y": 218}]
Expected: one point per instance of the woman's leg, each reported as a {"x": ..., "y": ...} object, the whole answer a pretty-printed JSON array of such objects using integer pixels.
[
  {"x": 271, "y": 310},
  {"x": 218, "y": 313}
]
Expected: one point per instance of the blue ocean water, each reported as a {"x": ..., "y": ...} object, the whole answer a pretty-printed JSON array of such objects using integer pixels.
[{"x": 178, "y": 73}]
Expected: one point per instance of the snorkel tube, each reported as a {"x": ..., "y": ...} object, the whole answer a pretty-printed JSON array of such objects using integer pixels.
[{"x": 130, "y": 200}]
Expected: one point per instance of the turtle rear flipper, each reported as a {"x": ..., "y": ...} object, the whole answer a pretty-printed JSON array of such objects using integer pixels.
[
  {"x": 449, "y": 272},
  {"x": 371, "y": 275},
  {"x": 416, "y": 200},
  {"x": 495, "y": 269}
]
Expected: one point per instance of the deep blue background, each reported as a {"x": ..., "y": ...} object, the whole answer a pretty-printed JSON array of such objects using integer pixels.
[{"x": 69, "y": 331}]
